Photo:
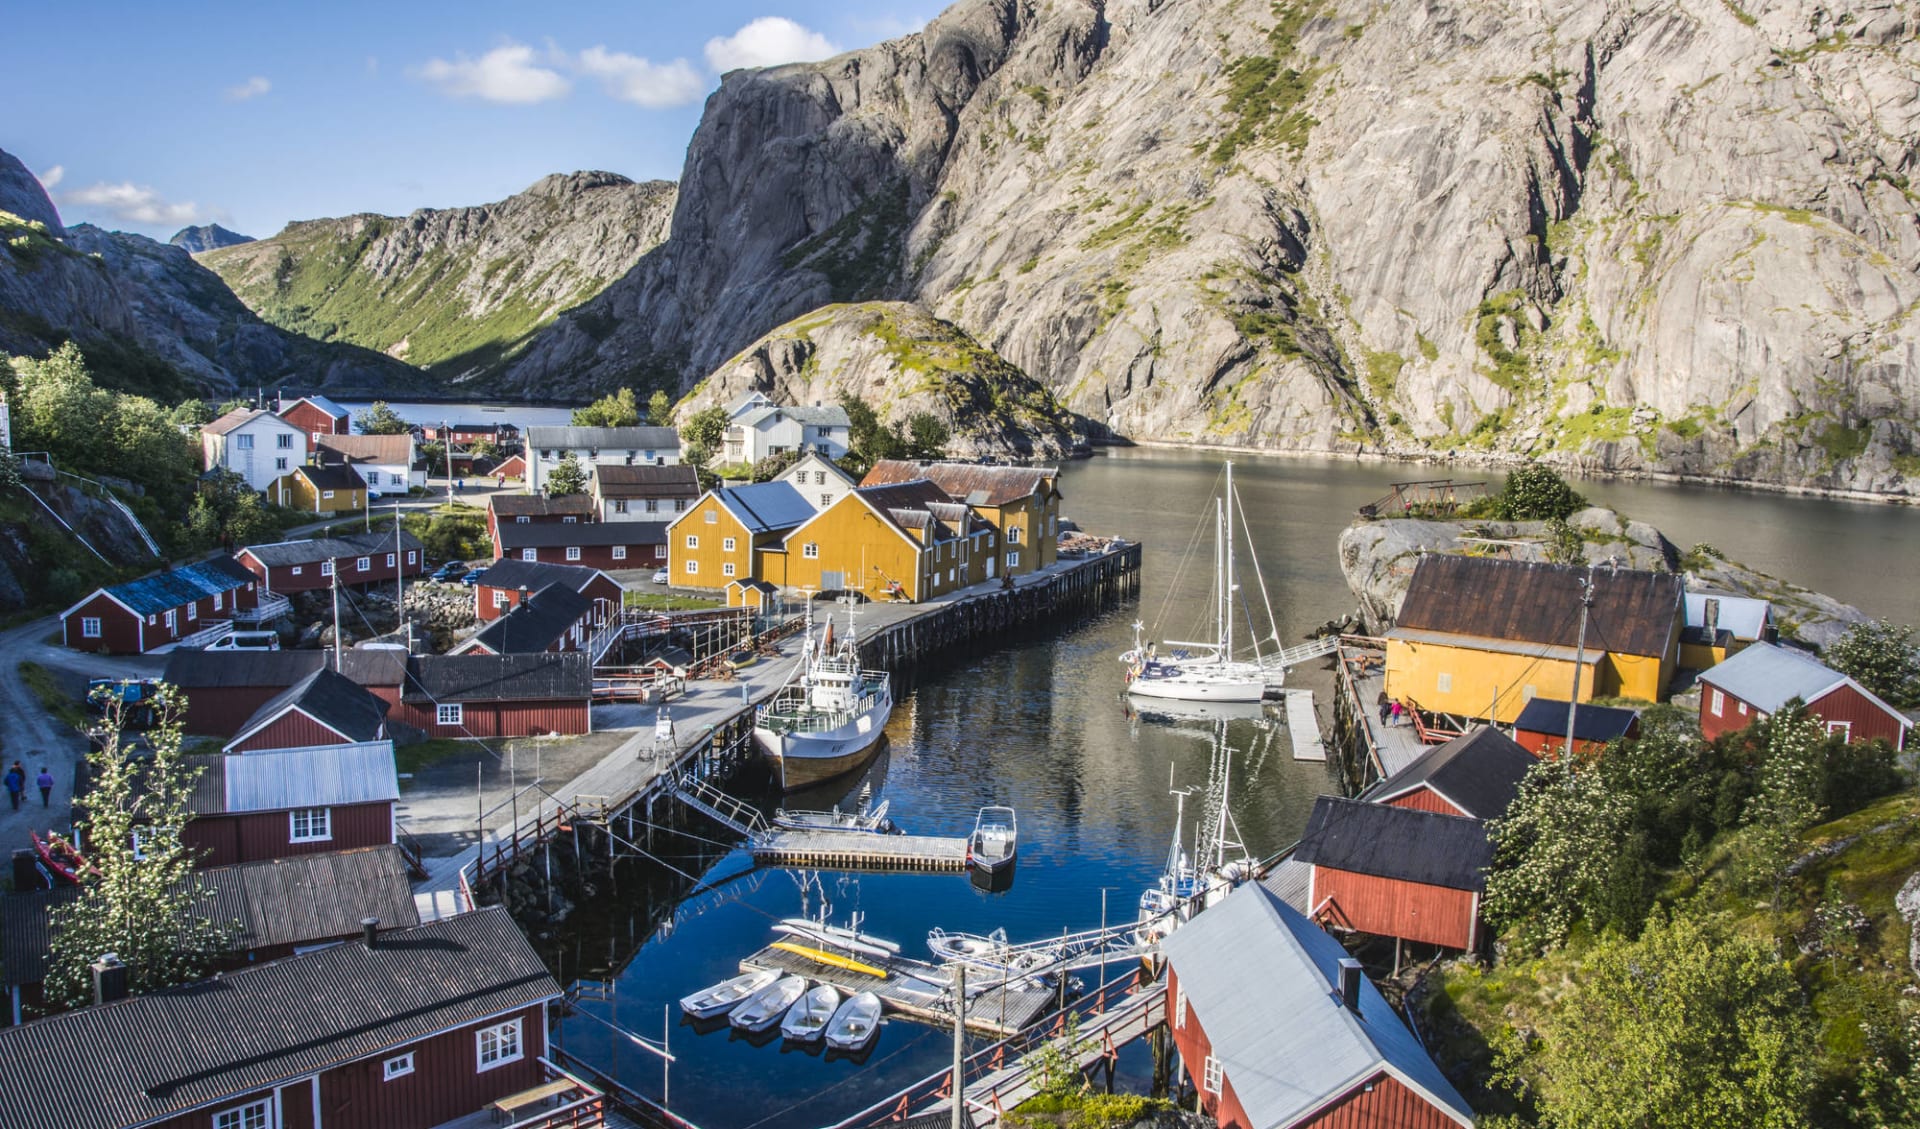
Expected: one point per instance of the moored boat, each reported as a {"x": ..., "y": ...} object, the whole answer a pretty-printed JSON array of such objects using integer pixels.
[
  {"x": 991, "y": 953},
  {"x": 995, "y": 839},
  {"x": 837, "y": 937},
  {"x": 855, "y": 1024},
  {"x": 764, "y": 1008},
  {"x": 868, "y": 821},
  {"x": 807, "y": 1020},
  {"x": 830, "y": 718},
  {"x": 726, "y": 995}
]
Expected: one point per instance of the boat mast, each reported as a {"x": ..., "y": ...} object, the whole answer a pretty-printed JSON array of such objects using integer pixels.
[{"x": 1226, "y": 584}]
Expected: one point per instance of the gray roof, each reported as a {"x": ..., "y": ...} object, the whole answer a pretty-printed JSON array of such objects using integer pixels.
[
  {"x": 313, "y": 550},
  {"x": 324, "y": 776},
  {"x": 536, "y": 623},
  {"x": 1478, "y": 772},
  {"x": 1404, "y": 844},
  {"x": 333, "y": 700},
  {"x": 645, "y": 480},
  {"x": 500, "y": 678},
  {"x": 195, "y": 669},
  {"x": 830, "y": 415},
  {"x": 325, "y": 405},
  {"x": 1767, "y": 677},
  {"x": 1745, "y": 616},
  {"x": 766, "y": 506},
  {"x": 1262, "y": 982},
  {"x": 511, "y": 572},
  {"x": 151, "y": 1057},
  {"x": 539, "y": 505},
  {"x": 151, "y": 595},
  {"x": 602, "y": 439},
  {"x": 550, "y": 534},
  {"x": 1591, "y": 723}
]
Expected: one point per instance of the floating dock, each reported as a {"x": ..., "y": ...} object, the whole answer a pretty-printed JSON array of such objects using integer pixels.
[
  {"x": 857, "y": 850},
  {"x": 917, "y": 990},
  {"x": 1304, "y": 727}
]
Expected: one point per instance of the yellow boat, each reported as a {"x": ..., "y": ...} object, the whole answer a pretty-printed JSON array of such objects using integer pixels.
[{"x": 834, "y": 959}]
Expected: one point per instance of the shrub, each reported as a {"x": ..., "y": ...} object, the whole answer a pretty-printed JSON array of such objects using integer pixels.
[{"x": 1538, "y": 493}]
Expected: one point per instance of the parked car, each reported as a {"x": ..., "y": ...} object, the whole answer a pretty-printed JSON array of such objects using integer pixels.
[
  {"x": 661, "y": 576},
  {"x": 135, "y": 696},
  {"x": 449, "y": 572},
  {"x": 246, "y": 641},
  {"x": 473, "y": 578}
]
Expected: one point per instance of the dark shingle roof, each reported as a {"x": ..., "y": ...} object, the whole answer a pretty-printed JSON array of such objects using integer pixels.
[
  {"x": 152, "y": 1056},
  {"x": 175, "y": 588},
  {"x": 280, "y": 554},
  {"x": 1479, "y": 772},
  {"x": 1634, "y": 611},
  {"x": 334, "y": 700},
  {"x": 646, "y": 481},
  {"x": 1592, "y": 723},
  {"x": 210, "y": 670},
  {"x": 535, "y": 624},
  {"x": 540, "y": 505},
  {"x": 500, "y": 678},
  {"x": 547, "y": 535},
  {"x": 965, "y": 482},
  {"x": 1402, "y": 843},
  {"x": 337, "y": 477},
  {"x": 511, "y": 572}
]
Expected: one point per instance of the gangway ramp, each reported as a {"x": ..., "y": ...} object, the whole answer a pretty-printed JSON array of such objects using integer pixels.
[
  {"x": 822, "y": 849},
  {"x": 736, "y": 815}
]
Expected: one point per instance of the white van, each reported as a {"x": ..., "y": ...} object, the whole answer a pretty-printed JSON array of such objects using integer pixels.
[{"x": 246, "y": 641}]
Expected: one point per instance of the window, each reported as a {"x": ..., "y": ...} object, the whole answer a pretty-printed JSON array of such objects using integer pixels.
[
  {"x": 193, "y": 612},
  {"x": 1180, "y": 1009},
  {"x": 1013, "y": 560},
  {"x": 619, "y": 552},
  {"x": 819, "y": 478},
  {"x": 310, "y": 825},
  {"x": 218, "y": 599},
  {"x": 693, "y": 567},
  {"x": 363, "y": 564},
  {"x": 679, "y": 505},
  {"x": 573, "y": 552},
  {"x": 1743, "y": 709},
  {"x": 1843, "y": 728},
  {"x": 390, "y": 561},
  {"x": 498, "y": 1045},
  {"x": 253, "y": 1115},
  {"x": 653, "y": 505},
  {"x": 1445, "y": 683},
  {"x": 659, "y": 552},
  {"x": 297, "y": 570},
  {"x": 145, "y": 838},
  {"x": 727, "y": 545},
  {"x": 726, "y": 569},
  {"x": 1719, "y": 703},
  {"x": 693, "y": 542},
  {"x": 951, "y": 575},
  {"x": 499, "y": 597},
  {"x": 399, "y": 1066},
  {"x": 398, "y": 479},
  {"x": 326, "y": 493},
  {"x": 826, "y": 500},
  {"x": 569, "y": 519},
  {"x": 713, "y": 516},
  {"x": 523, "y": 519},
  {"x": 280, "y": 463},
  {"x": 529, "y": 554},
  {"x": 450, "y": 714},
  {"x": 90, "y": 627},
  {"x": 1013, "y": 535},
  {"x": 1210, "y": 1079},
  {"x": 243, "y": 442},
  {"x": 620, "y": 505},
  {"x": 168, "y": 618},
  {"x": 284, "y": 442},
  {"x": 326, "y": 568},
  {"x": 810, "y": 550},
  {"x": 546, "y": 454},
  {"x": 410, "y": 553}
]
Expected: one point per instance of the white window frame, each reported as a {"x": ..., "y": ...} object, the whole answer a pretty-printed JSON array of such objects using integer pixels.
[
  {"x": 619, "y": 505},
  {"x": 1180, "y": 1009},
  {"x": 193, "y": 612},
  {"x": 811, "y": 550},
  {"x": 653, "y": 505},
  {"x": 391, "y": 561},
  {"x": 1444, "y": 683},
  {"x": 522, "y": 519},
  {"x": 90, "y": 627},
  {"x": 713, "y": 517},
  {"x": 326, "y": 568},
  {"x": 1212, "y": 1075},
  {"x": 283, "y": 442},
  {"x": 573, "y": 552},
  {"x": 253, "y": 1115},
  {"x": 326, "y": 494},
  {"x": 450, "y": 713},
  {"x": 243, "y": 442},
  {"x": 1843, "y": 728},
  {"x": 1013, "y": 535},
  {"x": 399, "y": 1066},
  {"x": 1013, "y": 559},
  {"x": 726, "y": 568},
  {"x": 499, "y": 597},
  {"x": 693, "y": 568},
  {"x": 619, "y": 552},
  {"x": 679, "y": 505},
  {"x": 298, "y": 569},
  {"x": 364, "y": 564},
  {"x": 410, "y": 553},
  {"x": 501, "y": 1036},
  {"x": 323, "y": 834},
  {"x": 569, "y": 519},
  {"x": 693, "y": 541},
  {"x": 1717, "y": 705},
  {"x": 529, "y": 554},
  {"x": 728, "y": 545},
  {"x": 168, "y": 618},
  {"x": 143, "y": 835}
]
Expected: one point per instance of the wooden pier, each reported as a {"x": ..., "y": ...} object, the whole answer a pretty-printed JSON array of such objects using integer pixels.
[
  {"x": 1303, "y": 727},
  {"x": 856, "y": 850},
  {"x": 916, "y": 989}
]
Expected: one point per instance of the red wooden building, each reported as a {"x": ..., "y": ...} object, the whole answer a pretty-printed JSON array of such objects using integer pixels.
[
  {"x": 1764, "y": 677},
  {"x": 317, "y": 416},
  {"x": 224, "y": 689},
  {"x": 1277, "y": 1027},
  {"x": 501, "y": 588},
  {"x": 1476, "y": 774},
  {"x": 606, "y": 544},
  {"x": 160, "y": 610},
  {"x": 482, "y": 695},
  {"x": 464, "y": 434},
  {"x": 535, "y": 509},
  {"x": 324, "y": 708},
  {"x": 411, "y": 1030},
  {"x": 1542, "y": 727},
  {"x": 513, "y": 466},
  {"x": 251, "y": 806},
  {"x": 1395, "y": 871},
  {"x": 556, "y": 618},
  {"x": 311, "y": 564}
]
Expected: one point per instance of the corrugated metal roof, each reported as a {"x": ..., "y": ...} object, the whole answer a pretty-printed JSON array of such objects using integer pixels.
[
  {"x": 646, "y": 480},
  {"x": 603, "y": 439},
  {"x": 965, "y": 482},
  {"x": 1593, "y": 723},
  {"x": 536, "y": 623},
  {"x": 549, "y": 534},
  {"x": 500, "y": 678},
  {"x": 540, "y": 505},
  {"x": 1745, "y": 616},
  {"x": 175, "y": 588},
  {"x": 152, "y": 1056},
  {"x": 1262, "y": 982},
  {"x": 313, "y": 550},
  {"x": 1399, "y": 843},
  {"x": 333, "y": 700},
  {"x": 765, "y": 507},
  {"x": 1634, "y": 611},
  {"x": 323, "y": 776},
  {"x": 1767, "y": 677},
  {"x": 327, "y": 406},
  {"x": 1479, "y": 771}
]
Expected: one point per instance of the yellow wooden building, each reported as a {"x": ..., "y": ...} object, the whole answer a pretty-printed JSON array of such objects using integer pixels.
[
  {"x": 1479, "y": 637},
  {"x": 899, "y": 541},
  {"x": 320, "y": 490},
  {"x": 1021, "y": 503},
  {"x": 727, "y": 533}
]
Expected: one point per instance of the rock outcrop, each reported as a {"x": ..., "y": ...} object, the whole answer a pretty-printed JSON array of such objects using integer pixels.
[
  {"x": 1674, "y": 236},
  {"x": 900, "y": 360},
  {"x": 207, "y": 237},
  {"x": 452, "y": 290}
]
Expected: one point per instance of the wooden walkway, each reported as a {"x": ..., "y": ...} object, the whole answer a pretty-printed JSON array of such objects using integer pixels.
[
  {"x": 915, "y": 989},
  {"x": 1304, "y": 727},
  {"x": 854, "y": 850}
]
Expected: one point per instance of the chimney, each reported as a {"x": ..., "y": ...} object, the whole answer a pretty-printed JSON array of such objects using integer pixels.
[
  {"x": 368, "y": 925},
  {"x": 109, "y": 979},
  {"x": 523, "y": 595},
  {"x": 1350, "y": 984}
]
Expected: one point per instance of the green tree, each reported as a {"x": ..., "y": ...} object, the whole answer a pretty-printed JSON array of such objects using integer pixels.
[
  {"x": 1789, "y": 793},
  {"x": 926, "y": 436},
  {"x": 615, "y": 409},
  {"x": 483, "y": 448},
  {"x": 1553, "y": 852},
  {"x": 1689, "y": 1025},
  {"x": 567, "y": 477},
  {"x": 770, "y": 466},
  {"x": 192, "y": 413},
  {"x": 660, "y": 409},
  {"x": 1538, "y": 493},
  {"x": 700, "y": 436},
  {"x": 139, "y": 890},
  {"x": 89, "y": 430},
  {"x": 1883, "y": 658},
  {"x": 379, "y": 419},
  {"x": 432, "y": 453},
  {"x": 228, "y": 513}
]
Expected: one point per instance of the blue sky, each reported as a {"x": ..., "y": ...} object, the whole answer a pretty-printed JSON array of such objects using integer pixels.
[{"x": 147, "y": 117}]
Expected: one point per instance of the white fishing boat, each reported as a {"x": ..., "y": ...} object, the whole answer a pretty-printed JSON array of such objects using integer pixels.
[
  {"x": 995, "y": 840},
  {"x": 807, "y": 1020},
  {"x": 1219, "y": 862},
  {"x": 764, "y": 1008},
  {"x": 992, "y": 954},
  {"x": 856, "y": 1024},
  {"x": 867, "y": 821},
  {"x": 828, "y": 719},
  {"x": 1209, "y": 671},
  {"x": 726, "y": 995}
]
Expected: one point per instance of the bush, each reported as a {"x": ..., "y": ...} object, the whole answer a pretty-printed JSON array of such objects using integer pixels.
[
  {"x": 1538, "y": 493},
  {"x": 1882, "y": 657}
]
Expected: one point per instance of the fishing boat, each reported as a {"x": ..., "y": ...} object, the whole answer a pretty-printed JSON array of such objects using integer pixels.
[
  {"x": 764, "y": 1008},
  {"x": 991, "y": 953},
  {"x": 871, "y": 820},
  {"x": 807, "y": 1020},
  {"x": 829, "y": 718},
  {"x": 995, "y": 840},
  {"x": 1219, "y": 863},
  {"x": 726, "y": 995},
  {"x": 855, "y": 1024},
  {"x": 1208, "y": 671}
]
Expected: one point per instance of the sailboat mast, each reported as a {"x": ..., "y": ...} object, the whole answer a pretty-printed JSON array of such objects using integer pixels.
[
  {"x": 1226, "y": 584},
  {"x": 1219, "y": 577}
]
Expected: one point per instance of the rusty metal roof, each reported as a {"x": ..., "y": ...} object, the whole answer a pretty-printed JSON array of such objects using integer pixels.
[
  {"x": 966, "y": 482},
  {"x": 1634, "y": 611}
]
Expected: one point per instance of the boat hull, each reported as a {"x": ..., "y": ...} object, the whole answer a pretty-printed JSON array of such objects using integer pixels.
[
  {"x": 1198, "y": 684},
  {"x": 801, "y": 760}
]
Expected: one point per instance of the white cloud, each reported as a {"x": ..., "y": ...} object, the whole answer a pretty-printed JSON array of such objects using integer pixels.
[
  {"x": 766, "y": 42},
  {"x": 631, "y": 78},
  {"x": 133, "y": 203},
  {"x": 53, "y": 176},
  {"x": 508, "y": 73},
  {"x": 252, "y": 88}
]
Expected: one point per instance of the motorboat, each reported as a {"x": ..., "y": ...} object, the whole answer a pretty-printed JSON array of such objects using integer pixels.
[
  {"x": 990, "y": 953},
  {"x": 867, "y": 821},
  {"x": 725, "y": 996},
  {"x": 829, "y": 718},
  {"x": 995, "y": 839},
  {"x": 807, "y": 1020},
  {"x": 764, "y": 1008},
  {"x": 856, "y": 1023}
]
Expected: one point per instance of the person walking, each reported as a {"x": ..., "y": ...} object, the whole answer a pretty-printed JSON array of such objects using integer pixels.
[
  {"x": 45, "y": 781},
  {"x": 16, "y": 784}
]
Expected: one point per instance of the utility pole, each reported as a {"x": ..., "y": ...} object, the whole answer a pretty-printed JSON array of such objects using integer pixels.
[
  {"x": 446, "y": 440},
  {"x": 333, "y": 574},
  {"x": 959, "y": 1046},
  {"x": 1579, "y": 658},
  {"x": 400, "y": 582}
]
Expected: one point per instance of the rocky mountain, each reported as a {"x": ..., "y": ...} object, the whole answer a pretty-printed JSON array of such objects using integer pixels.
[
  {"x": 207, "y": 237},
  {"x": 1664, "y": 235},
  {"x": 901, "y": 360},
  {"x": 452, "y": 290},
  {"x": 148, "y": 317}
]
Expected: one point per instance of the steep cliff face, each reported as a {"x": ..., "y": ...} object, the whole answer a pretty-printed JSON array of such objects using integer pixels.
[
  {"x": 451, "y": 290},
  {"x": 900, "y": 360},
  {"x": 1672, "y": 235}
]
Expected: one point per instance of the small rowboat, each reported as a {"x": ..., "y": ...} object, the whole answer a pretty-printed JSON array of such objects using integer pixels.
[
  {"x": 837, "y": 937},
  {"x": 827, "y": 958},
  {"x": 807, "y": 1020},
  {"x": 725, "y": 996},
  {"x": 856, "y": 1024},
  {"x": 60, "y": 857},
  {"x": 764, "y": 1008}
]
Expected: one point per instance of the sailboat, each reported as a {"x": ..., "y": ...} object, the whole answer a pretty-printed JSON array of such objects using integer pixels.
[
  {"x": 828, "y": 720},
  {"x": 1206, "y": 672},
  {"x": 1219, "y": 863}
]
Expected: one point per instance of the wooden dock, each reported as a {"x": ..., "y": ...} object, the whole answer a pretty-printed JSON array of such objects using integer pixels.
[
  {"x": 1304, "y": 727},
  {"x": 856, "y": 850},
  {"x": 916, "y": 990}
]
